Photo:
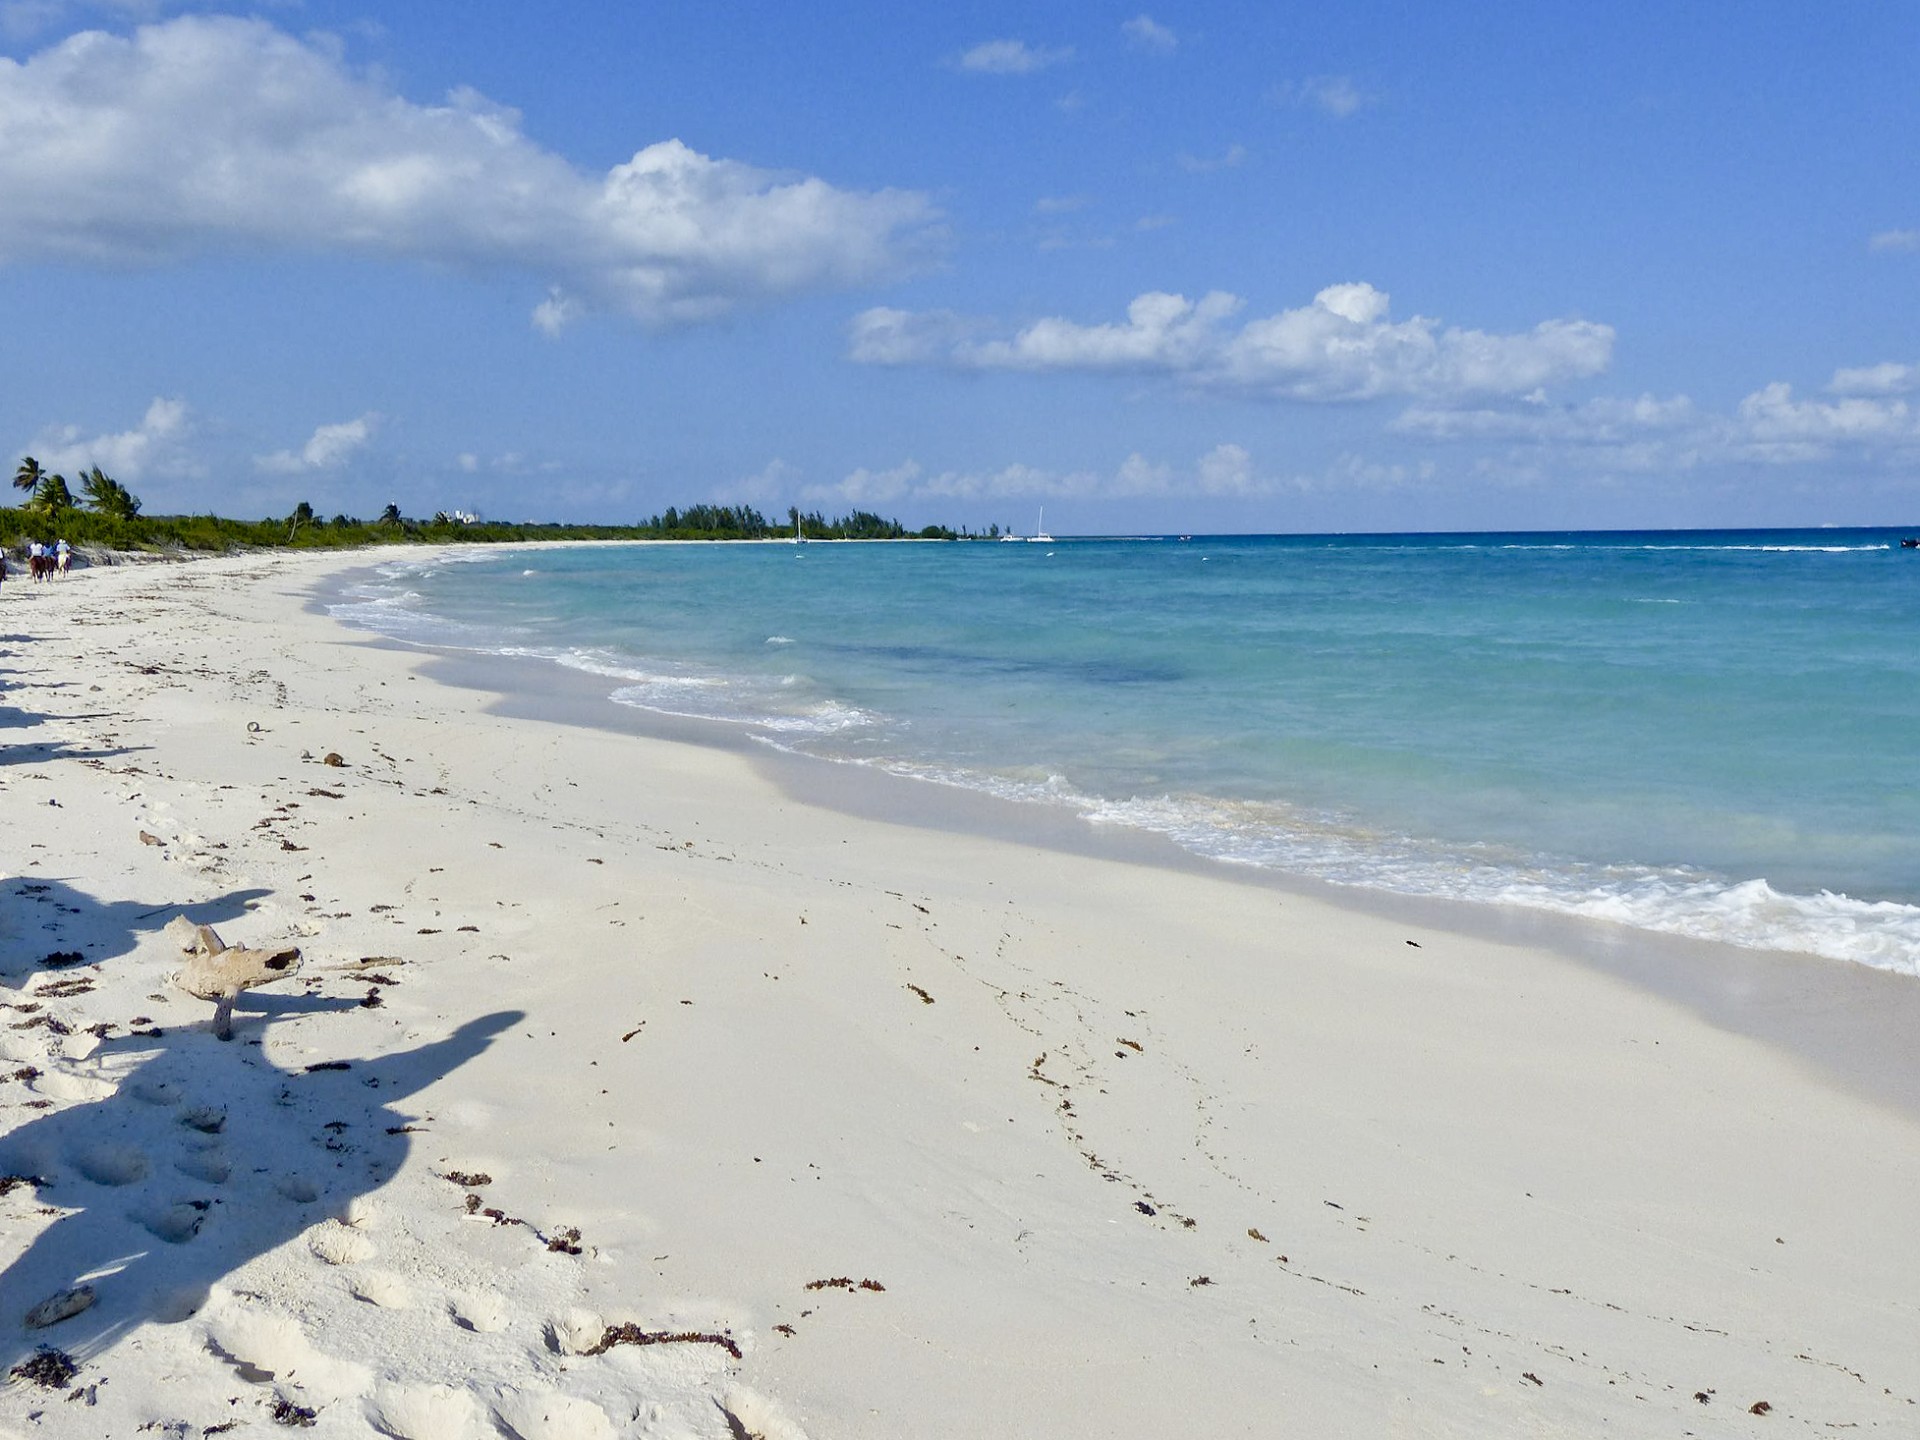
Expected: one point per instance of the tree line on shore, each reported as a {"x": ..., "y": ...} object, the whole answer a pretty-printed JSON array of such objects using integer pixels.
[{"x": 107, "y": 514}]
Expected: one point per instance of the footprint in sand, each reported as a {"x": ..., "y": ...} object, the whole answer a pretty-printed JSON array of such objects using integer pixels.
[
  {"x": 338, "y": 1244},
  {"x": 178, "y": 1222},
  {"x": 575, "y": 1332},
  {"x": 155, "y": 1091},
  {"x": 484, "y": 1312},
  {"x": 751, "y": 1413},
  {"x": 265, "y": 1345},
  {"x": 112, "y": 1164},
  {"x": 382, "y": 1288},
  {"x": 425, "y": 1412},
  {"x": 209, "y": 1164},
  {"x": 207, "y": 1119},
  {"x": 59, "y": 1085},
  {"x": 549, "y": 1415},
  {"x": 298, "y": 1188}
]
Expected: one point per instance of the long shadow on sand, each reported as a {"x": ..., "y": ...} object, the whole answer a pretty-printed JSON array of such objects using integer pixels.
[
  {"x": 47, "y": 916},
  {"x": 194, "y": 1157}
]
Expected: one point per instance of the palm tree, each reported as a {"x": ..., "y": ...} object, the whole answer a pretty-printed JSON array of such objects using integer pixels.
[
  {"x": 390, "y": 515},
  {"x": 28, "y": 476},
  {"x": 107, "y": 496},
  {"x": 52, "y": 494}
]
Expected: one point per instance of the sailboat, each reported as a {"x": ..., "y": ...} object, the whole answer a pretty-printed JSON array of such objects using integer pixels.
[{"x": 1040, "y": 535}]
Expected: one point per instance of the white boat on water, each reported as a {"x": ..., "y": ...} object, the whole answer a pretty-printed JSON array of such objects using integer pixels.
[{"x": 1040, "y": 535}]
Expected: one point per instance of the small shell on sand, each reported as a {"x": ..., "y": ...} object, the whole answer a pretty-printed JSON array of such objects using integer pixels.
[{"x": 63, "y": 1306}]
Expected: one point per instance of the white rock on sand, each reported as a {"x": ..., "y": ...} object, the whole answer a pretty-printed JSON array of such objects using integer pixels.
[{"x": 1000, "y": 1141}]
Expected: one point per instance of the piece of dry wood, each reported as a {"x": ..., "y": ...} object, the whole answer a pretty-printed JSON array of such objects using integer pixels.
[{"x": 218, "y": 972}]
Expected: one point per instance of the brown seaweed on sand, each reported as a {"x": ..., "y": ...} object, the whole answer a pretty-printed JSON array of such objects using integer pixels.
[
  {"x": 49, "y": 1368},
  {"x": 634, "y": 1335}
]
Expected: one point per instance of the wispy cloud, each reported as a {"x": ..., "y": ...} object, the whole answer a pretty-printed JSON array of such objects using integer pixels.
[
  {"x": 26, "y": 19},
  {"x": 1012, "y": 57},
  {"x": 1343, "y": 346},
  {"x": 1059, "y": 204},
  {"x": 330, "y": 447},
  {"x": 209, "y": 133},
  {"x": 776, "y": 481},
  {"x": 1895, "y": 241},
  {"x": 1231, "y": 158},
  {"x": 1143, "y": 32},
  {"x": 1886, "y": 378},
  {"x": 1333, "y": 95},
  {"x": 157, "y": 446},
  {"x": 1224, "y": 473}
]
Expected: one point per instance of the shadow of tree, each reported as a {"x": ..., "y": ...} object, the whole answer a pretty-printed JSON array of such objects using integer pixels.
[
  {"x": 190, "y": 1159},
  {"x": 43, "y": 916}
]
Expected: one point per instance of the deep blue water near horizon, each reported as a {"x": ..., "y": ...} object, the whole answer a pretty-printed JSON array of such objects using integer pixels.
[{"x": 1711, "y": 733}]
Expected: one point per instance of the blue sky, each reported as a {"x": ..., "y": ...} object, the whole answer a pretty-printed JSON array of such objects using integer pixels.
[{"x": 1197, "y": 267}]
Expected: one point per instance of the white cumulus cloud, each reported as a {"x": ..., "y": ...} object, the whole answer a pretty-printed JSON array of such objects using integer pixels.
[
  {"x": 1342, "y": 346},
  {"x": 1143, "y": 32},
  {"x": 1012, "y": 57},
  {"x": 1776, "y": 425},
  {"x": 157, "y": 446},
  {"x": 210, "y": 133},
  {"x": 330, "y": 447},
  {"x": 1862, "y": 419}
]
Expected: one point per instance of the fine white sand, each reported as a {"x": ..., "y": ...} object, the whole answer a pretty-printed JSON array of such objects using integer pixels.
[{"x": 1086, "y": 1148}]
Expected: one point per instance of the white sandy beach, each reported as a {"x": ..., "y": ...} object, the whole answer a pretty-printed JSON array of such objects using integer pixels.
[{"x": 1122, "y": 1150}]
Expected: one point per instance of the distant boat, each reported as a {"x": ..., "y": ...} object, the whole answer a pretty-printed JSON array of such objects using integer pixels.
[{"x": 1040, "y": 535}]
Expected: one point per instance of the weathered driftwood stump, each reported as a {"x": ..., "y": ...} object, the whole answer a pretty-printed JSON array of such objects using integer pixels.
[{"x": 218, "y": 972}]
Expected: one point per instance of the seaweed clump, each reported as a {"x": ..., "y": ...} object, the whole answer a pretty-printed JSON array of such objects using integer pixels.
[{"x": 49, "y": 1368}]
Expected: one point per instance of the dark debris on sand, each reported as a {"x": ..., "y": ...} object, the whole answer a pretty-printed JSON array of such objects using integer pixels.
[
  {"x": 49, "y": 1368},
  {"x": 634, "y": 1335}
]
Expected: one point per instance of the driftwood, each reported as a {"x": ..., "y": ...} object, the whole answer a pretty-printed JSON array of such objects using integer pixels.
[{"x": 218, "y": 972}]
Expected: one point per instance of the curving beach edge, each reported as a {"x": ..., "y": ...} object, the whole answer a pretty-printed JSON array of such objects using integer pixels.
[{"x": 619, "y": 1092}]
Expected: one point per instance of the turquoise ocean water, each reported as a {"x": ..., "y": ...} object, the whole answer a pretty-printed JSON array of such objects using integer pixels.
[{"x": 1713, "y": 734}]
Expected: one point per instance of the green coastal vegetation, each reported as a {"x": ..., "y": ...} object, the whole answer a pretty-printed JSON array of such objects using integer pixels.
[{"x": 106, "y": 514}]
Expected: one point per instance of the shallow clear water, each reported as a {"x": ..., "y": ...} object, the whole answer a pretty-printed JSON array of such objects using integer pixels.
[{"x": 1707, "y": 733}]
